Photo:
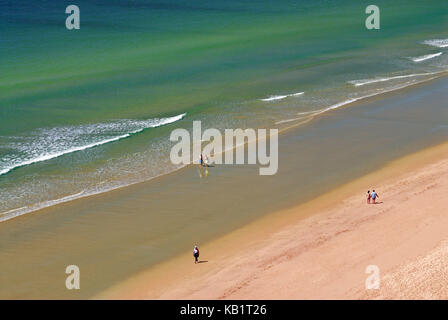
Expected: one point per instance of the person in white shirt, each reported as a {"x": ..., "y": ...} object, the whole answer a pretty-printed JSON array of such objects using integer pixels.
[{"x": 196, "y": 254}]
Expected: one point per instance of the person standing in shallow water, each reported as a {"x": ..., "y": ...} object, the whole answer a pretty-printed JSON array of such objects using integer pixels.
[
  {"x": 196, "y": 254},
  {"x": 368, "y": 196}
]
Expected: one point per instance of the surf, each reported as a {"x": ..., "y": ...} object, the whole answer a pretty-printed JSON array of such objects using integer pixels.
[
  {"x": 312, "y": 114},
  {"x": 426, "y": 57},
  {"x": 440, "y": 43},
  {"x": 363, "y": 82},
  {"x": 273, "y": 98},
  {"x": 52, "y": 143},
  {"x": 26, "y": 209}
]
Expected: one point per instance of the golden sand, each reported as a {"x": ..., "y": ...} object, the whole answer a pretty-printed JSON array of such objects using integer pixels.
[{"x": 321, "y": 249}]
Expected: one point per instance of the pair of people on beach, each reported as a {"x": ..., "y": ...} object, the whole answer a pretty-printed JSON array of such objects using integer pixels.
[
  {"x": 372, "y": 196},
  {"x": 203, "y": 160}
]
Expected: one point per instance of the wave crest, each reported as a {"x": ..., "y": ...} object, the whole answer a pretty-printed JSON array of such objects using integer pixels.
[
  {"x": 363, "y": 82},
  {"x": 426, "y": 57},
  {"x": 46, "y": 144},
  {"x": 440, "y": 43},
  {"x": 273, "y": 98}
]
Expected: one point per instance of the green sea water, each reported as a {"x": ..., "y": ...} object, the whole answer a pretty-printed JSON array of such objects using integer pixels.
[{"x": 85, "y": 111}]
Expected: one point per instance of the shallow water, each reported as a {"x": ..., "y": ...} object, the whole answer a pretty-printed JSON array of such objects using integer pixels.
[{"x": 72, "y": 101}]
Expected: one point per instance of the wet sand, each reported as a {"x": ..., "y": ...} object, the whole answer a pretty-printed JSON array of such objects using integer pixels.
[
  {"x": 119, "y": 234},
  {"x": 325, "y": 255}
]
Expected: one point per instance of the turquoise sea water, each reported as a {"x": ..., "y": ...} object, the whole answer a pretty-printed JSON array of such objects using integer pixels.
[{"x": 85, "y": 111}]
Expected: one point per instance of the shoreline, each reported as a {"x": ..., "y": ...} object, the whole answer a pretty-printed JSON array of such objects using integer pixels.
[
  {"x": 36, "y": 208},
  {"x": 263, "y": 259},
  {"x": 116, "y": 235}
]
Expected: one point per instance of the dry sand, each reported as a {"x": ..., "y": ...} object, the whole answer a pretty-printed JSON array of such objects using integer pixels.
[{"x": 321, "y": 249}]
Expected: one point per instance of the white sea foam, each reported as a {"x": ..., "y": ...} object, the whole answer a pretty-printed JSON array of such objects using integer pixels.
[
  {"x": 48, "y": 144},
  {"x": 440, "y": 43},
  {"x": 26, "y": 209},
  {"x": 426, "y": 57},
  {"x": 331, "y": 107},
  {"x": 289, "y": 120},
  {"x": 10, "y": 212},
  {"x": 306, "y": 112},
  {"x": 351, "y": 100},
  {"x": 358, "y": 83},
  {"x": 273, "y": 98}
]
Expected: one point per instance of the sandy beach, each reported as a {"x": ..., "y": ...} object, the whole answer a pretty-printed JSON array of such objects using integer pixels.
[
  {"x": 321, "y": 249},
  {"x": 305, "y": 232}
]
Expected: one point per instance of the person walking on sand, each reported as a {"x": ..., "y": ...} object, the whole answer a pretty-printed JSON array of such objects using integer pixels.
[
  {"x": 374, "y": 195},
  {"x": 368, "y": 196},
  {"x": 201, "y": 160},
  {"x": 196, "y": 254}
]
